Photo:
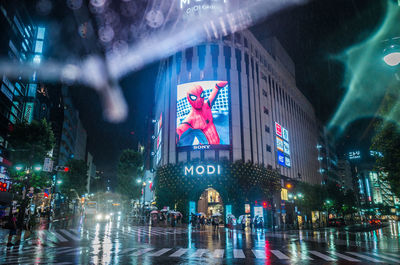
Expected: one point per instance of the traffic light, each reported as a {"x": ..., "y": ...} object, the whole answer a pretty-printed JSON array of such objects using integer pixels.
[
  {"x": 3, "y": 186},
  {"x": 62, "y": 168},
  {"x": 264, "y": 205}
]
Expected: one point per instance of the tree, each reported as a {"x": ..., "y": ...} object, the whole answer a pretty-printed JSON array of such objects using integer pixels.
[
  {"x": 387, "y": 142},
  {"x": 130, "y": 168},
  {"x": 74, "y": 179},
  {"x": 30, "y": 143}
]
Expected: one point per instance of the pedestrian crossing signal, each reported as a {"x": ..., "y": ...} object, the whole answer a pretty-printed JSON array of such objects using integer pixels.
[{"x": 62, "y": 168}]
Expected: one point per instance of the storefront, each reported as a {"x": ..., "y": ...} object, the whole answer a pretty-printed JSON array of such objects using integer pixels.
[{"x": 228, "y": 188}]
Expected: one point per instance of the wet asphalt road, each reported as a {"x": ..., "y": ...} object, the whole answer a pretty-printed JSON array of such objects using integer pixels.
[{"x": 118, "y": 242}]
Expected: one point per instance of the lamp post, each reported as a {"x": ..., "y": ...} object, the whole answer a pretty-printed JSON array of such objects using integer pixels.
[{"x": 392, "y": 55}]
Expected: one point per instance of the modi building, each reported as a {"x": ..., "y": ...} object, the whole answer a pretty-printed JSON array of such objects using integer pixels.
[{"x": 230, "y": 128}]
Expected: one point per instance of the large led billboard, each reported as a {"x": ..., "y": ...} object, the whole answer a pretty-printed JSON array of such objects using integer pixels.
[{"x": 202, "y": 115}]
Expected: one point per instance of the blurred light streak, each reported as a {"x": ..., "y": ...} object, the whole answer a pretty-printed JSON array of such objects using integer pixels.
[{"x": 103, "y": 74}]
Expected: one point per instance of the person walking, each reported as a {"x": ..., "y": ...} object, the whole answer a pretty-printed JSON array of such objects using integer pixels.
[{"x": 13, "y": 229}]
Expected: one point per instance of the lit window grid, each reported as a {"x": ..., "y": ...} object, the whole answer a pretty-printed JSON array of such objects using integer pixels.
[{"x": 221, "y": 103}]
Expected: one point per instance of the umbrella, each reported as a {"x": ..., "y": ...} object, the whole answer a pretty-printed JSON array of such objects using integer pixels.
[
  {"x": 217, "y": 214},
  {"x": 198, "y": 214},
  {"x": 230, "y": 215},
  {"x": 201, "y": 213},
  {"x": 154, "y": 212},
  {"x": 163, "y": 210}
]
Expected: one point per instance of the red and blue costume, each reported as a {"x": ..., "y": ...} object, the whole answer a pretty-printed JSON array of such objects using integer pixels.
[{"x": 200, "y": 117}]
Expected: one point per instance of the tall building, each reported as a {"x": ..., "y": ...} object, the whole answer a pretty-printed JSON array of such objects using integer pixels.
[
  {"x": 229, "y": 109},
  {"x": 21, "y": 41},
  {"x": 375, "y": 195},
  {"x": 73, "y": 137},
  {"x": 327, "y": 156}
]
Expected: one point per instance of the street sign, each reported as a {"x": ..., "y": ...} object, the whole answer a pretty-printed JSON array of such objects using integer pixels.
[{"x": 48, "y": 165}]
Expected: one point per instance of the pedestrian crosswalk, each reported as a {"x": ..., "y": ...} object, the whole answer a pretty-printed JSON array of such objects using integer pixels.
[{"x": 26, "y": 253}]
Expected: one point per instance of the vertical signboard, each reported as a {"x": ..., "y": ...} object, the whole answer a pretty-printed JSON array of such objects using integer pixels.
[
  {"x": 192, "y": 209},
  {"x": 28, "y": 114},
  {"x": 282, "y": 146}
]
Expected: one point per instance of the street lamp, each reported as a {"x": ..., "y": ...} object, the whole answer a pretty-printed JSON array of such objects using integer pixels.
[
  {"x": 19, "y": 167},
  {"x": 392, "y": 55},
  {"x": 59, "y": 181},
  {"x": 37, "y": 167},
  {"x": 139, "y": 180}
]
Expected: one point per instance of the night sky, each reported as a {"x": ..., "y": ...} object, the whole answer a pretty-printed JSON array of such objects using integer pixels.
[{"x": 312, "y": 34}]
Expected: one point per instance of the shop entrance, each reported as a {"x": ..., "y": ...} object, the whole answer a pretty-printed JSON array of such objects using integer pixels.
[{"x": 210, "y": 203}]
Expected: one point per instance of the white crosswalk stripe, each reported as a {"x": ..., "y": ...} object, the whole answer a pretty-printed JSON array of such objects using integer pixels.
[
  {"x": 279, "y": 254},
  {"x": 363, "y": 256},
  {"x": 393, "y": 255},
  {"x": 126, "y": 250},
  {"x": 385, "y": 257},
  {"x": 179, "y": 252},
  {"x": 260, "y": 254},
  {"x": 322, "y": 256},
  {"x": 72, "y": 236},
  {"x": 141, "y": 251},
  {"x": 218, "y": 253},
  {"x": 348, "y": 258},
  {"x": 160, "y": 252},
  {"x": 238, "y": 254},
  {"x": 59, "y": 236}
]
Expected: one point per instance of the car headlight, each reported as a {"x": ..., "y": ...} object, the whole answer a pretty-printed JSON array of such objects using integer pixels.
[
  {"x": 107, "y": 216},
  {"x": 119, "y": 213},
  {"x": 111, "y": 214},
  {"x": 99, "y": 217}
]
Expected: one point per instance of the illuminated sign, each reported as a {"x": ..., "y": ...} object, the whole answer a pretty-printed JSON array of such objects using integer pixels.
[
  {"x": 285, "y": 134},
  {"x": 279, "y": 144},
  {"x": 283, "y": 147},
  {"x": 281, "y": 158},
  {"x": 159, "y": 140},
  {"x": 3, "y": 186},
  {"x": 278, "y": 129},
  {"x": 354, "y": 155},
  {"x": 196, "y": 6},
  {"x": 396, "y": 200},
  {"x": 28, "y": 112},
  {"x": 284, "y": 194},
  {"x": 286, "y": 148},
  {"x": 202, "y": 115},
  {"x": 288, "y": 163},
  {"x": 247, "y": 208},
  {"x": 258, "y": 211},
  {"x": 202, "y": 170}
]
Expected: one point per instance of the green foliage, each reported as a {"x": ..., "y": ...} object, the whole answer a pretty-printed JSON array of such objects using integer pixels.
[
  {"x": 75, "y": 178},
  {"x": 31, "y": 142},
  {"x": 130, "y": 168},
  {"x": 387, "y": 141}
]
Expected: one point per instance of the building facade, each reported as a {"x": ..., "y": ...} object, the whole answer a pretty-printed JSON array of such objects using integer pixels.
[
  {"x": 226, "y": 107},
  {"x": 22, "y": 41}
]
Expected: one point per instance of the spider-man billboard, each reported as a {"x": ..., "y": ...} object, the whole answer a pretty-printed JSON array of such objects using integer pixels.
[{"x": 202, "y": 112}]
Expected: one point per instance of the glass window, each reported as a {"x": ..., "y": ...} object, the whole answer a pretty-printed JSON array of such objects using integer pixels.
[
  {"x": 40, "y": 33},
  {"x": 39, "y": 46}
]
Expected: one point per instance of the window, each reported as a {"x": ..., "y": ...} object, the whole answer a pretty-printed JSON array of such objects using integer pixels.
[
  {"x": 265, "y": 93},
  {"x": 266, "y": 111},
  {"x": 267, "y": 128},
  {"x": 268, "y": 148}
]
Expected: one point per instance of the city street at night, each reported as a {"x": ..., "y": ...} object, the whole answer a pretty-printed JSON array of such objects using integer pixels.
[
  {"x": 88, "y": 242},
  {"x": 199, "y": 132}
]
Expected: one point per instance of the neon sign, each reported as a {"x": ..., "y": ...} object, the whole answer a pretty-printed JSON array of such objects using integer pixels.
[{"x": 202, "y": 170}]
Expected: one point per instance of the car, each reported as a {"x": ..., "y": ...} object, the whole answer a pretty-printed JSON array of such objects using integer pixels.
[
  {"x": 337, "y": 222},
  {"x": 375, "y": 222},
  {"x": 101, "y": 217}
]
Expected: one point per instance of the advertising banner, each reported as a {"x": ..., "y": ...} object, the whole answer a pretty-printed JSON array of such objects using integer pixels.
[
  {"x": 286, "y": 148},
  {"x": 279, "y": 144},
  {"x": 202, "y": 115},
  {"x": 278, "y": 129},
  {"x": 281, "y": 158}
]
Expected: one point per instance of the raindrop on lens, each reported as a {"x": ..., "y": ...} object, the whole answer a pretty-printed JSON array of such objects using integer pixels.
[{"x": 106, "y": 34}]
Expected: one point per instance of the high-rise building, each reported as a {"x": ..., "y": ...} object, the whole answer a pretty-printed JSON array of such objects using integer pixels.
[
  {"x": 21, "y": 41},
  {"x": 229, "y": 109}
]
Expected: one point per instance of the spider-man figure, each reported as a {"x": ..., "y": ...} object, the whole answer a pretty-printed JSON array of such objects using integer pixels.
[{"x": 200, "y": 117}]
